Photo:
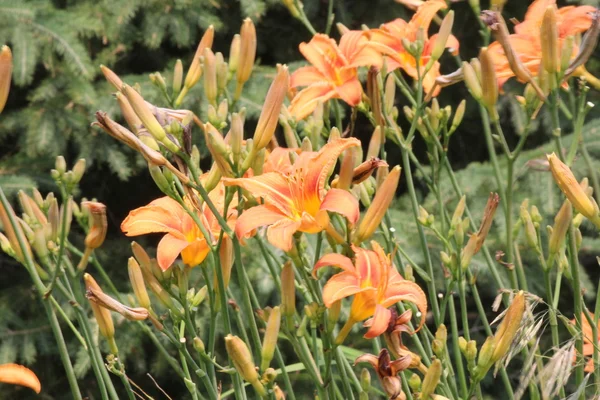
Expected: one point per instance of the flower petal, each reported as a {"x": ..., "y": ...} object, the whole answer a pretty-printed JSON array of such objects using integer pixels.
[
  {"x": 323, "y": 53},
  {"x": 256, "y": 217},
  {"x": 335, "y": 260},
  {"x": 305, "y": 102},
  {"x": 341, "y": 202},
  {"x": 379, "y": 323},
  {"x": 340, "y": 286},
  {"x": 306, "y": 76},
  {"x": 405, "y": 290},
  {"x": 195, "y": 252},
  {"x": 281, "y": 233},
  {"x": 422, "y": 18},
  {"x": 161, "y": 215},
  {"x": 16, "y": 374},
  {"x": 168, "y": 250},
  {"x": 272, "y": 186},
  {"x": 351, "y": 92},
  {"x": 358, "y": 50},
  {"x": 574, "y": 20}
]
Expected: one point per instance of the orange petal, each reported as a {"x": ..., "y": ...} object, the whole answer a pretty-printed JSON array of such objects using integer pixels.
[
  {"x": 368, "y": 358},
  {"x": 423, "y": 17},
  {"x": 316, "y": 224},
  {"x": 379, "y": 323},
  {"x": 305, "y": 102},
  {"x": 306, "y": 76},
  {"x": 340, "y": 286},
  {"x": 356, "y": 47},
  {"x": 350, "y": 92},
  {"x": 334, "y": 260},
  {"x": 316, "y": 167},
  {"x": 272, "y": 186},
  {"x": 403, "y": 290},
  {"x": 279, "y": 160},
  {"x": 168, "y": 250},
  {"x": 323, "y": 53},
  {"x": 341, "y": 202},
  {"x": 256, "y": 217},
  {"x": 368, "y": 266},
  {"x": 15, "y": 374},
  {"x": 195, "y": 252},
  {"x": 281, "y": 233},
  {"x": 574, "y": 20},
  {"x": 162, "y": 215}
]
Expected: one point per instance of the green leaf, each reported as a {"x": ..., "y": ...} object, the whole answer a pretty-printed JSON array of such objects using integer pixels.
[{"x": 25, "y": 53}]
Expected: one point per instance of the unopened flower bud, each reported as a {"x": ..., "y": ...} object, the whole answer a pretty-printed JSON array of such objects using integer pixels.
[
  {"x": 530, "y": 232},
  {"x": 458, "y": 116},
  {"x": 78, "y": 170},
  {"x": 234, "y": 53},
  {"x": 243, "y": 363},
  {"x": 549, "y": 41},
  {"x": 137, "y": 283},
  {"x": 578, "y": 197},
  {"x": 269, "y": 116},
  {"x": 195, "y": 71},
  {"x": 562, "y": 222},
  {"x": 346, "y": 170},
  {"x": 111, "y": 77},
  {"x": 210, "y": 76},
  {"x": 270, "y": 339},
  {"x": 222, "y": 72},
  {"x": 365, "y": 380},
  {"x": 459, "y": 211},
  {"x": 247, "y": 54},
  {"x": 177, "y": 77},
  {"x": 415, "y": 383},
  {"x": 198, "y": 345},
  {"x": 226, "y": 258},
  {"x": 472, "y": 82},
  {"x": 566, "y": 52},
  {"x": 432, "y": 378},
  {"x": 377, "y": 139},
  {"x": 390, "y": 94},
  {"x": 489, "y": 83},
  {"x": 288, "y": 290},
  {"x": 442, "y": 36},
  {"x": 381, "y": 202},
  {"x": 439, "y": 343},
  {"x": 218, "y": 149},
  {"x": 6, "y": 66}
]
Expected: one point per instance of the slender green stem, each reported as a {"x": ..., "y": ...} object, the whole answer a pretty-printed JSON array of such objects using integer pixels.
[
  {"x": 462, "y": 380},
  {"x": 578, "y": 305},
  {"x": 63, "y": 236}
]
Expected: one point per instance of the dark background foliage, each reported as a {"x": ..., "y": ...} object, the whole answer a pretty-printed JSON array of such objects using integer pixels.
[{"x": 57, "y": 86}]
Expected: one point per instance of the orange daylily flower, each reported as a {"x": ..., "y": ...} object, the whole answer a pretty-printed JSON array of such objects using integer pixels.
[
  {"x": 588, "y": 341},
  {"x": 16, "y": 374},
  {"x": 297, "y": 200},
  {"x": 526, "y": 40},
  {"x": 375, "y": 284},
  {"x": 389, "y": 39},
  {"x": 333, "y": 73},
  {"x": 183, "y": 236}
]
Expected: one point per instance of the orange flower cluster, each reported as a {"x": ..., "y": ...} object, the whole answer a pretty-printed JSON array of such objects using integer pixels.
[{"x": 333, "y": 73}]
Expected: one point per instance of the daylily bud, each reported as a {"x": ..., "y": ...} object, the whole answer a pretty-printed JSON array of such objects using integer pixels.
[
  {"x": 137, "y": 283},
  {"x": 374, "y": 95},
  {"x": 111, "y": 77},
  {"x": 458, "y": 212},
  {"x": 6, "y": 67},
  {"x": 198, "y": 345},
  {"x": 333, "y": 313},
  {"x": 566, "y": 52},
  {"x": 566, "y": 181},
  {"x": 424, "y": 218},
  {"x": 270, "y": 339},
  {"x": 247, "y": 54},
  {"x": 269, "y": 116},
  {"x": 160, "y": 179},
  {"x": 288, "y": 133},
  {"x": 243, "y": 363},
  {"x": 439, "y": 343},
  {"x": 530, "y": 232},
  {"x": 380, "y": 176},
  {"x": 102, "y": 315},
  {"x": 54, "y": 220},
  {"x": 210, "y": 76},
  {"x": 381, "y": 202},
  {"x": 562, "y": 222},
  {"x": 458, "y": 116},
  {"x": 226, "y": 257},
  {"x": 218, "y": 149},
  {"x": 141, "y": 256},
  {"x": 377, "y": 139},
  {"x": 442, "y": 36},
  {"x": 288, "y": 290},
  {"x": 234, "y": 53},
  {"x": 472, "y": 81},
  {"x": 365, "y": 380},
  {"x": 415, "y": 383},
  {"x": 549, "y": 41},
  {"x": 177, "y": 77},
  {"x": 432, "y": 378},
  {"x": 60, "y": 165},
  {"x": 133, "y": 121},
  {"x": 195, "y": 71},
  {"x": 222, "y": 72},
  {"x": 306, "y": 144},
  {"x": 159, "y": 81},
  {"x": 78, "y": 170},
  {"x": 364, "y": 170},
  {"x": 489, "y": 83},
  {"x": 346, "y": 170},
  {"x": 294, "y": 12},
  {"x": 390, "y": 94},
  {"x": 236, "y": 136}
]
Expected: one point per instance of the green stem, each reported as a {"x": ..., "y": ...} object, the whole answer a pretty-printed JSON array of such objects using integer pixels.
[{"x": 457, "y": 353}]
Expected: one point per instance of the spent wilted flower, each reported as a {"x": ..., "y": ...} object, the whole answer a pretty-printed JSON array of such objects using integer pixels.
[
  {"x": 183, "y": 236},
  {"x": 298, "y": 200},
  {"x": 390, "y": 36},
  {"x": 98, "y": 227},
  {"x": 387, "y": 371},
  {"x": 101, "y": 314},
  {"x": 6, "y": 67},
  {"x": 476, "y": 240},
  {"x": 15, "y": 374},
  {"x": 375, "y": 284},
  {"x": 333, "y": 73},
  {"x": 579, "y": 198}
]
